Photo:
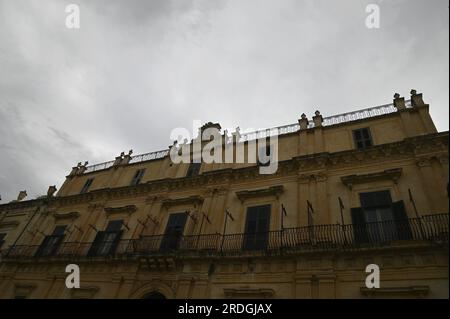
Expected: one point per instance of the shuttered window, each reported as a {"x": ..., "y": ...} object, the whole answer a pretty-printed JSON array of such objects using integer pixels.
[
  {"x": 362, "y": 138},
  {"x": 193, "y": 169},
  {"x": 174, "y": 231},
  {"x": 257, "y": 228},
  {"x": 138, "y": 176},
  {"x": 105, "y": 242},
  {"x": 86, "y": 185},
  {"x": 380, "y": 220},
  {"x": 51, "y": 243}
]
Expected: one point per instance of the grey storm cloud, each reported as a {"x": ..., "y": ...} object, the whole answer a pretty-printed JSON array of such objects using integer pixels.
[{"x": 137, "y": 69}]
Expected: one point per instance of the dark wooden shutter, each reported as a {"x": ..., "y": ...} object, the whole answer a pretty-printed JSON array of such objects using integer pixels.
[
  {"x": 174, "y": 231},
  {"x": 359, "y": 225},
  {"x": 115, "y": 243},
  {"x": 257, "y": 227},
  {"x": 401, "y": 221},
  {"x": 96, "y": 243},
  {"x": 51, "y": 243}
]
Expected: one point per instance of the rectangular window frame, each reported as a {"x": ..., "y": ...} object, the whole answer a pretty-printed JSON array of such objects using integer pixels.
[
  {"x": 87, "y": 185},
  {"x": 362, "y": 142}
]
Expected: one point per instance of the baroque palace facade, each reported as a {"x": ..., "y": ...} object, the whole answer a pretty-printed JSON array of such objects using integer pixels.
[{"x": 366, "y": 187}]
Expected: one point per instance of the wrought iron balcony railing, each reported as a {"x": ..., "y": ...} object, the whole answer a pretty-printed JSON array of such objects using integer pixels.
[{"x": 335, "y": 237}]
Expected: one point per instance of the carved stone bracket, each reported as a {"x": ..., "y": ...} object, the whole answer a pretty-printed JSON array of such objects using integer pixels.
[
  {"x": 389, "y": 174},
  {"x": 270, "y": 191},
  {"x": 158, "y": 264}
]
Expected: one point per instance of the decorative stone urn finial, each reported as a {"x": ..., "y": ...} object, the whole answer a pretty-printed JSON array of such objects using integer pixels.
[
  {"x": 303, "y": 122},
  {"x": 51, "y": 190},
  {"x": 318, "y": 119},
  {"x": 22, "y": 195}
]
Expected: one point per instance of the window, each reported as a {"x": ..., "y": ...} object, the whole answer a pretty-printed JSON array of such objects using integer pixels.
[
  {"x": 379, "y": 219},
  {"x": 138, "y": 176},
  {"x": 51, "y": 243},
  {"x": 362, "y": 138},
  {"x": 105, "y": 242},
  {"x": 174, "y": 231},
  {"x": 86, "y": 186},
  {"x": 2, "y": 239},
  {"x": 257, "y": 228},
  {"x": 193, "y": 170}
]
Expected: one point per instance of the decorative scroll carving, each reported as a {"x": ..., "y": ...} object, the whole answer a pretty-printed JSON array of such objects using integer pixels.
[
  {"x": 270, "y": 191},
  {"x": 390, "y": 174}
]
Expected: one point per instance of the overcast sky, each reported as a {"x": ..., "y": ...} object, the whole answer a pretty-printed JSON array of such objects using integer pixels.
[{"x": 137, "y": 69}]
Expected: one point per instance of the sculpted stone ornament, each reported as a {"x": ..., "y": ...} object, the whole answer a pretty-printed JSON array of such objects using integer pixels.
[
  {"x": 51, "y": 190},
  {"x": 22, "y": 195},
  {"x": 303, "y": 122},
  {"x": 318, "y": 119}
]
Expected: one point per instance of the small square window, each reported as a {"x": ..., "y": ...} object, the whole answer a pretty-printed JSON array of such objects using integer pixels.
[
  {"x": 138, "y": 177},
  {"x": 86, "y": 186},
  {"x": 193, "y": 170},
  {"x": 362, "y": 138}
]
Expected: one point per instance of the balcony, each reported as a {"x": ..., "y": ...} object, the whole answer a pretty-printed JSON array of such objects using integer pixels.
[{"x": 431, "y": 229}]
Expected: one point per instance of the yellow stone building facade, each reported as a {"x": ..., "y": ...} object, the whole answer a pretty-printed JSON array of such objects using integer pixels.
[{"x": 366, "y": 187}]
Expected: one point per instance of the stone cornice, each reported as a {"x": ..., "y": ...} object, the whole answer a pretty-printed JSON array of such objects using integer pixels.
[
  {"x": 270, "y": 191},
  {"x": 191, "y": 200},
  {"x": 425, "y": 146},
  {"x": 61, "y": 216},
  {"x": 129, "y": 209},
  {"x": 389, "y": 174}
]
